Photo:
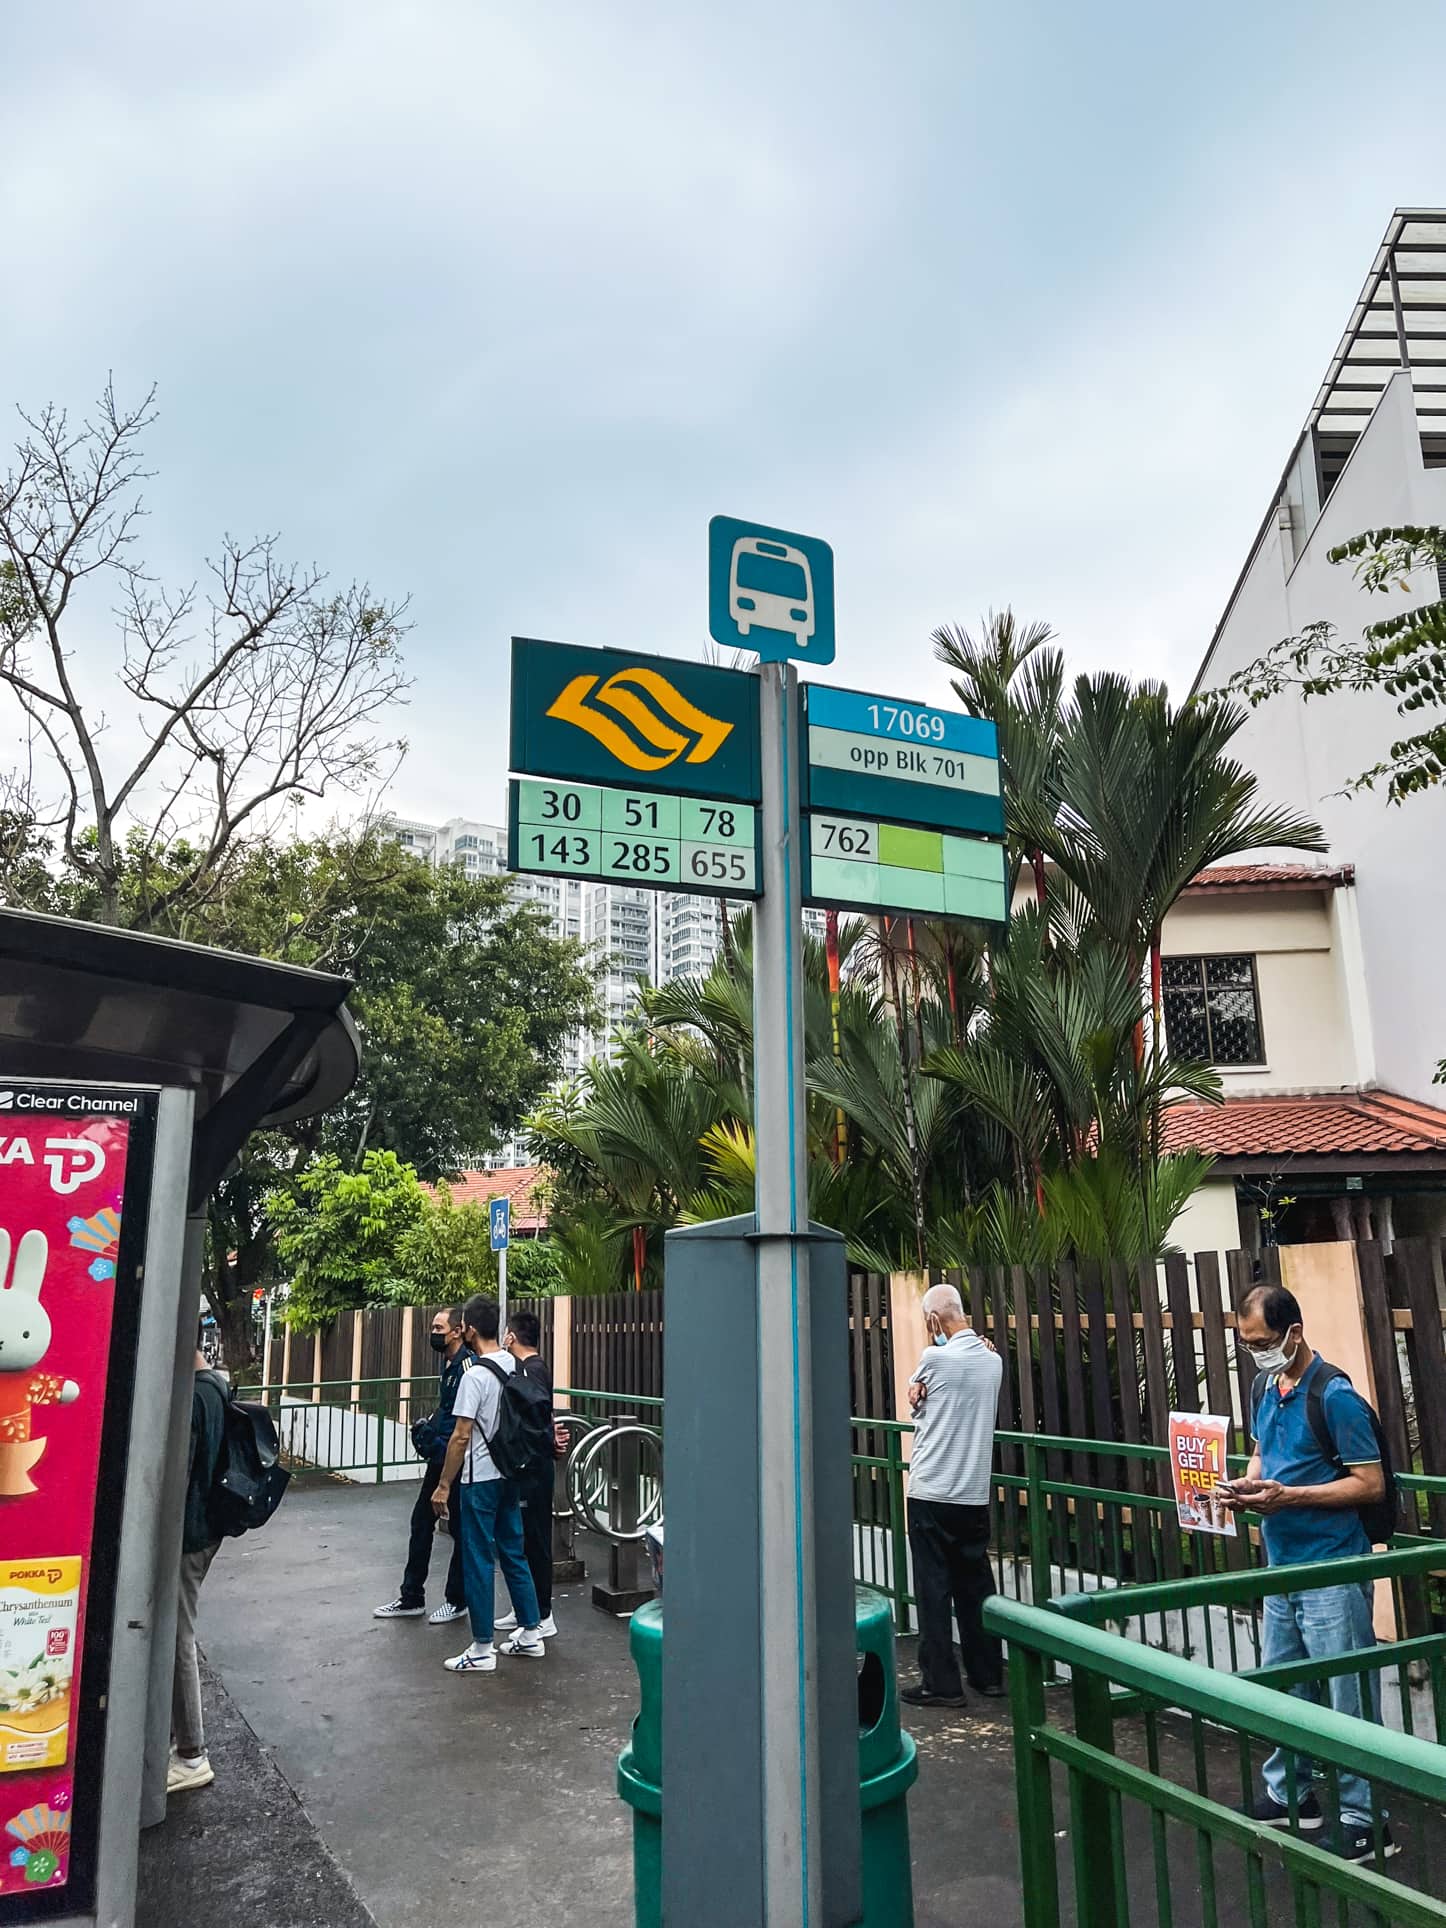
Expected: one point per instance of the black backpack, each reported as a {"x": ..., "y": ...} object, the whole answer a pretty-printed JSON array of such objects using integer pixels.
[
  {"x": 1381, "y": 1518},
  {"x": 249, "y": 1480},
  {"x": 523, "y": 1438}
]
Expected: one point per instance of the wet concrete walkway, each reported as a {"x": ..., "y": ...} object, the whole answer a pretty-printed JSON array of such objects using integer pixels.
[{"x": 487, "y": 1800}]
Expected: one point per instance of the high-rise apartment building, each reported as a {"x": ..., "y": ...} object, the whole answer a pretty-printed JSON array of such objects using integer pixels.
[{"x": 635, "y": 935}]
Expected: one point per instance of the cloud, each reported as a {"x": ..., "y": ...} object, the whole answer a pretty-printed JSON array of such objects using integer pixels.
[{"x": 497, "y": 305}]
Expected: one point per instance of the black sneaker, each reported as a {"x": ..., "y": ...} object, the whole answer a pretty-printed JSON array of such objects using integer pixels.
[
  {"x": 919, "y": 1696},
  {"x": 1359, "y": 1844},
  {"x": 1275, "y": 1816},
  {"x": 397, "y": 1610}
]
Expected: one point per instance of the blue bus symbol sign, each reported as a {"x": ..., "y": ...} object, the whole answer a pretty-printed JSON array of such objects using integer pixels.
[
  {"x": 501, "y": 1209},
  {"x": 770, "y": 591}
]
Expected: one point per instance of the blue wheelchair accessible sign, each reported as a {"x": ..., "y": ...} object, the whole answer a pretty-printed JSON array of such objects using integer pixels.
[
  {"x": 770, "y": 591},
  {"x": 501, "y": 1209}
]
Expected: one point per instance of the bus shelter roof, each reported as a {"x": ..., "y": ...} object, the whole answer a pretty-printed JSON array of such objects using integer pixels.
[{"x": 259, "y": 1043}]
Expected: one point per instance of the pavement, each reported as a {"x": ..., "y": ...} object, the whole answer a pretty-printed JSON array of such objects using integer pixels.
[
  {"x": 359, "y": 1783},
  {"x": 244, "y": 1850}
]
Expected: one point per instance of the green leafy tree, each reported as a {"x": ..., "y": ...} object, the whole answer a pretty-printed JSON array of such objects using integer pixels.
[
  {"x": 446, "y": 1254},
  {"x": 462, "y": 997},
  {"x": 340, "y": 1234}
]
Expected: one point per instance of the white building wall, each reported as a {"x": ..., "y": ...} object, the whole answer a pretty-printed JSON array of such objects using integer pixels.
[
  {"x": 1305, "y": 1029},
  {"x": 1210, "y": 1222},
  {"x": 1304, "y": 752}
]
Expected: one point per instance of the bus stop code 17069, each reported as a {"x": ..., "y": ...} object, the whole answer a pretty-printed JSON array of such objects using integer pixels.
[{"x": 694, "y": 844}]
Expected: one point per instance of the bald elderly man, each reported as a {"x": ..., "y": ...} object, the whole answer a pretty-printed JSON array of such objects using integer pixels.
[{"x": 955, "y": 1399}]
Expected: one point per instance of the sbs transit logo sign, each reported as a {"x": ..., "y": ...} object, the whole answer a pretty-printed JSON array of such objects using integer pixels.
[{"x": 638, "y": 717}]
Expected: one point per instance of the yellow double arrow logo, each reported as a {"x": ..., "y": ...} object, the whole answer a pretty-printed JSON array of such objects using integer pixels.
[{"x": 668, "y": 725}]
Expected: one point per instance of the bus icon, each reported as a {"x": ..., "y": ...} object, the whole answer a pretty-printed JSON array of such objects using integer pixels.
[
  {"x": 770, "y": 591},
  {"x": 770, "y": 586}
]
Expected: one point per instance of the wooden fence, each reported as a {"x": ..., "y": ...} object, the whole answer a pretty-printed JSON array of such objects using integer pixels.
[{"x": 1058, "y": 1332}]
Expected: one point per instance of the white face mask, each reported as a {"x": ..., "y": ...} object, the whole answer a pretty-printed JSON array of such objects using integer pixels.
[{"x": 1275, "y": 1359}]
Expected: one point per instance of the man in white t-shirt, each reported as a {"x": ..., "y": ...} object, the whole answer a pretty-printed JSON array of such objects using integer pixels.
[
  {"x": 954, "y": 1394},
  {"x": 491, "y": 1514}
]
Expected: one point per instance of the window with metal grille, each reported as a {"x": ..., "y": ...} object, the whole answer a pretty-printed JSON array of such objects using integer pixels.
[{"x": 1212, "y": 1009}]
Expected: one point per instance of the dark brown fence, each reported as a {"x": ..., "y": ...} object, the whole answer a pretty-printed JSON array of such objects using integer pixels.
[
  {"x": 1102, "y": 1351},
  {"x": 1109, "y": 1351},
  {"x": 617, "y": 1343}
]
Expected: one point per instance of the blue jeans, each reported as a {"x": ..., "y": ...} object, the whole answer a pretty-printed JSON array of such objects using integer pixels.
[
  {"x": 1317, "y": 1626},
  {"x": 492, "y": 1538}
]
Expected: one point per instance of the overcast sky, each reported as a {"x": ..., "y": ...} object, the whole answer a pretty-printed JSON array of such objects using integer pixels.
[{"x": 496, "y": 304}]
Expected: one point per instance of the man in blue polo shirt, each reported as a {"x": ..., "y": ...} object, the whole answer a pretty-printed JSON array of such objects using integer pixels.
[{"x": 1309, "y": 1506}]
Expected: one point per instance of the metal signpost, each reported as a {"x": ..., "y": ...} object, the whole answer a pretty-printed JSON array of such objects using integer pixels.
[
  {"x": 500, "y": 1214},
  {"x": 661, "y": 774}
]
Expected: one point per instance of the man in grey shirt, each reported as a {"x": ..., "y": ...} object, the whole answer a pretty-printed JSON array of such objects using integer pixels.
[{"x": 955, "y": 1398}]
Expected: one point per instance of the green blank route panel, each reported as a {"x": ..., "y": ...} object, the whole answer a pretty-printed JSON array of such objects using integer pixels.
[
  {"x": 906, "y": 849},
  {"x": 859, "y": 863}
]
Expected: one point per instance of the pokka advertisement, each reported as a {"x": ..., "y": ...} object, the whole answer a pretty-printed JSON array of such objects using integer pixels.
[
  {"x": 1199, "y": 1443},
  {"x": 61, "y": 1184}
]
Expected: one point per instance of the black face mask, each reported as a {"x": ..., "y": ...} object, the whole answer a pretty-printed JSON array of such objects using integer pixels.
[{"x": 439, "y": 1341}]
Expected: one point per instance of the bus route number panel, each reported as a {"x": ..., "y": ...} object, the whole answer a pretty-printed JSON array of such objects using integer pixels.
[
  {"x": 860, "y": 863},
  {"x": 695, "y": 844}
]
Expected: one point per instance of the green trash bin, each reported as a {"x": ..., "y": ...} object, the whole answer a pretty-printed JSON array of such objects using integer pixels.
[{"x": 887, "y": 1769}]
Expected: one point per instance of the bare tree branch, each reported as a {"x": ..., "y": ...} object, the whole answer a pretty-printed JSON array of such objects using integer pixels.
[{"x": 260, "y": 687}]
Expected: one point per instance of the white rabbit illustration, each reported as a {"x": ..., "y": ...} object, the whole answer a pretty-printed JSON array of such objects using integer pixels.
[{"x": 24, "y": 1342}]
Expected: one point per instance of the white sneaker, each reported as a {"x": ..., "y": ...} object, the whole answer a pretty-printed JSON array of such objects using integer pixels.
[
  {"x": 394, "y": 1610},
  {"x": 507, "y": 1623},
  {"x": 444, "y": 1615},
  {"x": 525, "y": 1643},
  {"x": 476, "y": 1660},
  {"x": 182, "y": 1775}
]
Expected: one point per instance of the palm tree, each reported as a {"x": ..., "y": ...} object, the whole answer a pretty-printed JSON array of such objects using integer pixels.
[
  {"x": 996, "y": 1099},
  {"x": 1010, "y": 674},
  {"x": 1149, "y": 798}
]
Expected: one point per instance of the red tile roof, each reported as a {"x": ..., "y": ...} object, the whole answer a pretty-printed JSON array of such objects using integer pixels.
[
  {"x": 1222, "y": 877},
  {"x": 520, "y": 1183},
  {"x": 1362, "y": 1125}
]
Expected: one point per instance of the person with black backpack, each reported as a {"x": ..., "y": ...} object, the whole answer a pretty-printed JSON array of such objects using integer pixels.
[
  {"x": 1321, "y": 1480},
  {"x": 234, "y": 1483},
  {"x": 497, "y": 1429},
  {"x": 190, "y": 1765},
  {"x": 535, "y": 1487},
  {"x": 430, "y": 1436}
]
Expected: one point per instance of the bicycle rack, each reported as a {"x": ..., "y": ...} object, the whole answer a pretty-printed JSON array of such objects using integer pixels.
[{"x": 608, "y": 1493}]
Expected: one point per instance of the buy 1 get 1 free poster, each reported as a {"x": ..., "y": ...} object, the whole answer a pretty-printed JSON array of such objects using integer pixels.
[{"x": 1199, "y": 1443}]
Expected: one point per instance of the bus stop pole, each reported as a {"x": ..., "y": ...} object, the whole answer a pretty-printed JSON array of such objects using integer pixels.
[
  {"x": 792, "y": 1872},
  {"x": 144, "y": 1640},
  {"x": 171, "y": 1505}
]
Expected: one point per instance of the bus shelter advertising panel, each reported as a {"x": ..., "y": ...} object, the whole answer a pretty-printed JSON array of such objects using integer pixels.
[{"x": 74, "y": 1183}]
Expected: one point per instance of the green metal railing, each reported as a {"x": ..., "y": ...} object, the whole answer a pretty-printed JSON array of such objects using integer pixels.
[
  {"x": 1158, "y": 1750},
  {"x": 354, "y": 1427},
  {"x": 1112, "y": 1526}
]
